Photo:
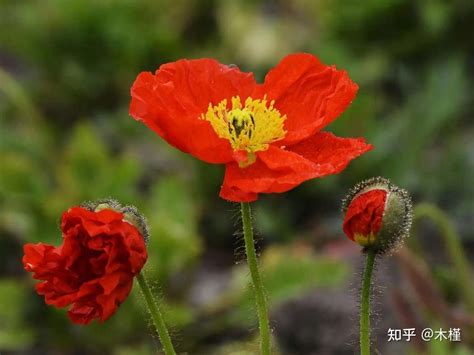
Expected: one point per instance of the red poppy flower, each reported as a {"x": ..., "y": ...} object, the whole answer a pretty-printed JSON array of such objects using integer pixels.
[
  {"x": 92, "y": 271},
  {"x": 268, "y": 135}
]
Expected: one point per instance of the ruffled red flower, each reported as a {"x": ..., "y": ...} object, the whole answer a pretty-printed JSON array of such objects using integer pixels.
[
  {"x": 364, "y": 215},
  {"x": 268, "y": 135},
  {"x": 92, "y": 271}
]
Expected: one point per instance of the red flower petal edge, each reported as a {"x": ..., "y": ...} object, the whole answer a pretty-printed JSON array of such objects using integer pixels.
[
  {"x": 93, "y": 270},
  {"x": 267, "y": 135},
  {"x": 280, "y": 170},
  {"x": 364, "y": 214}
]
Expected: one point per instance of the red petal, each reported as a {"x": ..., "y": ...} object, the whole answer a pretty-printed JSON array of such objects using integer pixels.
[
  {"x": 278, "y": 170},
  {"x": 233, "y": 193},
  {"x": 364, "y": 214},
  {"x": 41, "y": 259},
  {"x": 93, "y": 222},
  {"x": 110, "y": 303},
  {"x": 110, "y": 282},
  {"x": 172, "y": 101},
  {"x": 82, "y": 313},
  {"x": 331, "y": 154},
  {"x": 310, "y": 93},
  {"x": 275, "y": 170}
]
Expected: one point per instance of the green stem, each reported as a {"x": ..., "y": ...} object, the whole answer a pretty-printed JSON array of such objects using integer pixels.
[
  {"x": 260, "y": 297},
  {"x": 365, "y": 304},
  {"x": 454, "y": 248},
  {"x": 158, "y": 321}
]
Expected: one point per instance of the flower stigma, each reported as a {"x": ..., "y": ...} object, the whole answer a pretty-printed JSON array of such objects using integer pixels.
[{"x": 249, "y": 128}]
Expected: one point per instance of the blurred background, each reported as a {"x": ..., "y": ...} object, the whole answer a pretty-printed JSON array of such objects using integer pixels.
[{"x": 66, "y": 68}]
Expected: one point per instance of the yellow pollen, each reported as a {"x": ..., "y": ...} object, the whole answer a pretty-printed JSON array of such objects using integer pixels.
[{"x": 250, "y": 127}]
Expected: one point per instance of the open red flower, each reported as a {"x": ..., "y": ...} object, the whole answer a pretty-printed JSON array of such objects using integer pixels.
[
  {"x": 92, "y": 271},
  {"x": 268, "y": 135}
]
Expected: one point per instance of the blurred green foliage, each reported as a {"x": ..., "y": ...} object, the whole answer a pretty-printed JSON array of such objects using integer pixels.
[
  {"x": 65, "y": 72},
  {"x": 290, "y": 272},
  {"x": 13, "y": 331}
]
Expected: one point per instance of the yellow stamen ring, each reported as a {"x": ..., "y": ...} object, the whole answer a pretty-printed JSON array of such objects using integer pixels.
[{"x": 250, "y": 127}]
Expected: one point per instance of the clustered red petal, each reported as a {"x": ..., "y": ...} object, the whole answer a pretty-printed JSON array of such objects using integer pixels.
[
  {"x": 92, "y": 271},
  {"x": 310, "y": 94},
  {"x": 364, "y": 214}
]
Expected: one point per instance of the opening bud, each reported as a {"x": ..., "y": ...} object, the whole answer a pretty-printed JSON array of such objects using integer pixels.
[
  {"x": 378, "y": 215},
  {"x": 130, "y": 213}
]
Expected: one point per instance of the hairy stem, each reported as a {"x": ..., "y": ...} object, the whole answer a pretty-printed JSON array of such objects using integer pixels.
[
  {"x": 260, "y": 297},
  {"x": 158, "y": 321},
  {"x": 365, "y": 304}
]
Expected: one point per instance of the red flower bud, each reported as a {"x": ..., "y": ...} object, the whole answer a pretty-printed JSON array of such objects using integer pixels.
[
  {"x": 364, "y": 216},
  {"x": 92, "y": 271},
  {"x": 377, "y": 214}
]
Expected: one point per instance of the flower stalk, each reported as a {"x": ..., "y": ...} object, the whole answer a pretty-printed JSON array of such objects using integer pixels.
[
  {"x": 158, "y": 321},
  {"x": 378, "y": 217},
  {"x": 365, "y": 303},
  {"x": 259, "y": 291}
]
